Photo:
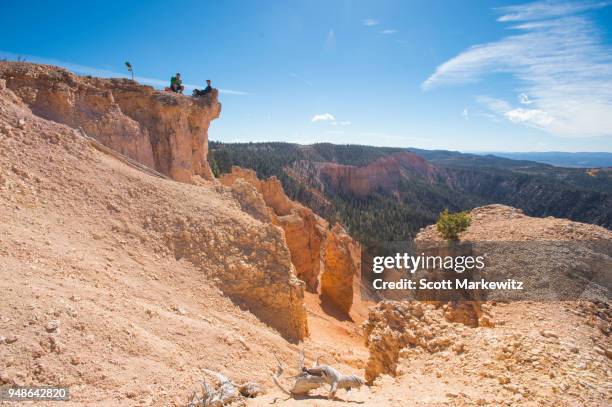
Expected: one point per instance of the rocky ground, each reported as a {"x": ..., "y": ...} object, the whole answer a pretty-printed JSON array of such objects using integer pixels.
[{"x": 537, "y": 354}]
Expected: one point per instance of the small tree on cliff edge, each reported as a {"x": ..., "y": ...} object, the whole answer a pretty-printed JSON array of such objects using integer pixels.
[
  {"x": 130, "y": 69},
  {"x": 449, "y": 225}
]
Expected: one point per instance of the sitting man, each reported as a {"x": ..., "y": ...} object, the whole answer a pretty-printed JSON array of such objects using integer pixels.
[
  {"x": 176, "y": 84},
  {"x": 207, "y": 89}
]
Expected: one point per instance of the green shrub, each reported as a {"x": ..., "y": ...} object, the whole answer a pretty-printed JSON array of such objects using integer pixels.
[{"x": 449, "y": 225}]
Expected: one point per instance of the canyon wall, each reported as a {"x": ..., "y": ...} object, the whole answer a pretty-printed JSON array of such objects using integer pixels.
[
  {"x": 327, "y": 260},
  {"x": 383, "y": 174},
  {"x": 164, "y": 131},
  {"x": 304, "y": 231},
  {"x": 341, "y": 267}
]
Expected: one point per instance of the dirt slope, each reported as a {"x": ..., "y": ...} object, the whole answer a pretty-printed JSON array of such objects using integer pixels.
[{"x": 102, "y": 251}]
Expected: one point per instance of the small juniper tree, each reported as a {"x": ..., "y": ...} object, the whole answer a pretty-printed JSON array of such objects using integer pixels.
[
  {"x": 129, "y": 68},
  {"x": 449, "y": 225}
]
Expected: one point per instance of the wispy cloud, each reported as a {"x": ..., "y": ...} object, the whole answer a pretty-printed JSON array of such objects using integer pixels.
[
  {"x": 388, "y": 31},
  {"x": 323, "y": 117},
  {"x": 341, "y": 123},
  {"x": 530, "y": 117},
  {"x": 105, "y": 73},
  {"x": 465, "y": 113},
  {"x": 546, "y": 9},
  {"x": 369, "y": 22},
  {"x": 563, "y": 67}
]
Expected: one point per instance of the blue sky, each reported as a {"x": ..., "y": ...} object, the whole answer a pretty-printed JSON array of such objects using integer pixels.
[{"x": 468, "y": 76}]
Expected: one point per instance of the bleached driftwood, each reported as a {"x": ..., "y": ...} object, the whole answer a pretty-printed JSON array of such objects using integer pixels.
[
  {"x": 224, "y": 395},
  {"x": 312, "y": 378}
]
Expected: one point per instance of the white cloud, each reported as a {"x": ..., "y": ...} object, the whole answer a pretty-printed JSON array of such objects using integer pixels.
[
  {"x": 368, "y": 22},
  {"x": 105, "y": 73},
  {"x": 388, "y": 32},
  {"x": 529, "y": 116},
  {"x": 561, "y": 62},
  {"x": 546, "y": 9},
  {"x": 496, "y": 105},
  {"x": 324, "y": 117},
  {"x": 465, "y": 113}
]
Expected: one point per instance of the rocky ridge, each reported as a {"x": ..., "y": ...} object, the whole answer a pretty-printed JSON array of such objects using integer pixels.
[
  {"x": 234, "y": 256},
  {"x": 502, "y": 353},
  {"x": 162, "y": 130}
]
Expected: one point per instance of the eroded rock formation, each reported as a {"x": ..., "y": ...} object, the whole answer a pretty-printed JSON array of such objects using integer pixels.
[
  {"x": 199, "y": 226},
  {"x": 253, "y": 267},
  {"x": 304, "y": 231},
  {"x": 251, "y": 201},
  {"x": 341, "y": 267},
  {"x": 556, "y": 259},
  {"x": 164, "y": 131},
  {"x": 318, "y": 253},
  {"x": 395, "y": 325},
  {"x": 271, "y": 189},
  {"x": 383, "y": 174}
]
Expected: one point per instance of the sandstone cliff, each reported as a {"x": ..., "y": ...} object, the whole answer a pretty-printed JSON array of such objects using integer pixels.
[
  {"x": 341, "y": 267},
  {"x": 164, "y": 131},
  {"x": 385, "y": 174},
  {"x": 270, "y": 189},
  {"x": 199, "y": 224},
  {"x": 329, "y": 259},
  {"x": 304, "y": 231}
]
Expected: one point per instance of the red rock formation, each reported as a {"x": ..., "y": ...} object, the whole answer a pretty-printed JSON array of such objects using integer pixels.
[
  {"x": 310, "y": 241},
  {"x": 341, "y": 267},
  {"x": 384, "y": 173},
  {"x": 304, "y": 231},
  {"x": 218, "y": 243},
  {"x": 395, "y": 325},
  {"x": 271, "y": 189},
  {"x": 164, "y": 131}
]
